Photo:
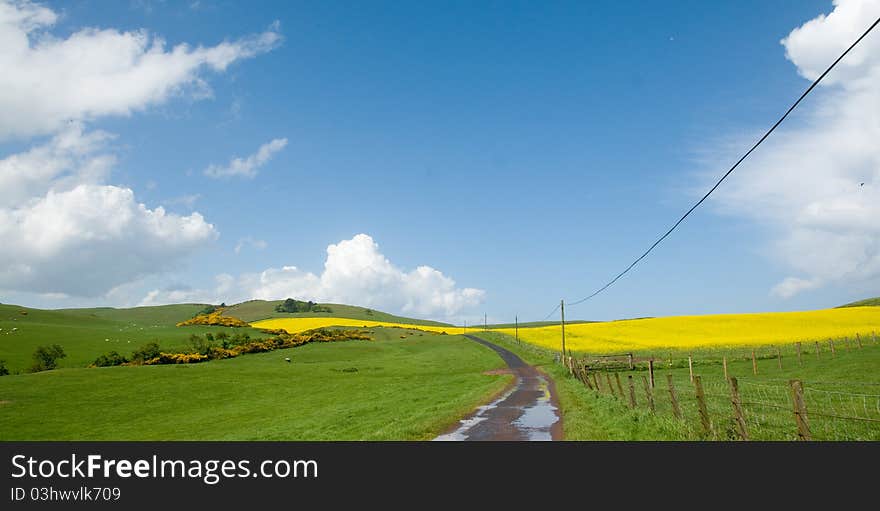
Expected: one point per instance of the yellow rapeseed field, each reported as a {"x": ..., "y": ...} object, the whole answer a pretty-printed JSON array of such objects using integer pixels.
[
  {"x": 710, "y": 331},
  {"x": 294, "y": 325}
]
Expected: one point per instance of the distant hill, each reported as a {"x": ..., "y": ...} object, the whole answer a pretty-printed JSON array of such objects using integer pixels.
[
  {"x": 529, "y": 324},
  {"x": 255, "y": 310},
  {"x": 868, "y": 302},
  {"x": 159, "y": 314},
  {"x": 87, "y": 333}
]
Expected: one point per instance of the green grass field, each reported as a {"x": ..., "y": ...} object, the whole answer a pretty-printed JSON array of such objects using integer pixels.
[
  {"x": 87, "y": 333},
  {"x": 386, "y": 389}
]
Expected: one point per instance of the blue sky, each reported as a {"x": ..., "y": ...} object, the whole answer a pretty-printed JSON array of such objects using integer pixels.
[{"x": 525, "y": 149}]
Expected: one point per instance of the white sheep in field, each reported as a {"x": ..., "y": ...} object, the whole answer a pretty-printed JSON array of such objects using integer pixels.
[{"x": 287, "y": 359}]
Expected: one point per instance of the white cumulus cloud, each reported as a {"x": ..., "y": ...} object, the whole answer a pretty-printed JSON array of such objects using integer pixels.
[
  {"x": 247, "y": 167},
  {"x": 71, "y": 157},
  {"x": 355, "y": 272},
  {"x": 47, "y": 81},
  {"x": 64, "y": 231},
  {"x": 816, "y": 183},
  {"x": 90, "y": 239}
]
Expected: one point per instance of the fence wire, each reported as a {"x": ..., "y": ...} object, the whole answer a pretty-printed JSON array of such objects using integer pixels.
[{"x": 834, "y": 410}]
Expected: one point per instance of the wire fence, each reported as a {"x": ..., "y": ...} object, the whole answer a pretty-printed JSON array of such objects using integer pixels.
[{"x": 715, "y": 406}]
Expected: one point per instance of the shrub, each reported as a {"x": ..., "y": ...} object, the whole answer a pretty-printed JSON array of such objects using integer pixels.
[
  {"x": 109, "y": 359},
  {"x": 291, "y": 305},
  {"x": 200, "y": 345},
  {"x": 215, "y": 318},
  {"x": 146, "y": 352},
  {"x": 176, "y": 358},
  {"x": 46, "y": 357},
  {"x": 207, "y": 310},
  {"x": 243, "y": 344},
  {"x": 240, "y": 338},
  {"x": 3, "y": 369}
]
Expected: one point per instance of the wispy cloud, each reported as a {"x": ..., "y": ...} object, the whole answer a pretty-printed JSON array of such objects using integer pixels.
[
  {"x": 188, "y": 201},
  {"x": 48, "y": 81},
  {"x": 247, "y": 167},
  {"x": 250, "y": 242}
]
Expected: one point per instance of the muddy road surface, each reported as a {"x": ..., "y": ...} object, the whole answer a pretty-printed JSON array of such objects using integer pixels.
[{"x": 527, "y": 410}]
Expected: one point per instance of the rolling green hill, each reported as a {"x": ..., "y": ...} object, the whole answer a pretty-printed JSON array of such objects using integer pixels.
[
  {"x": 87, "y": 333},
  {"x": 255, "y": 310},
  {"x": 160, "y": 314},
  {"x": 868, "y": 302}
]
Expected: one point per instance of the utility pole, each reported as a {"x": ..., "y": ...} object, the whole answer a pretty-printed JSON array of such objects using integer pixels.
[
  {"x": 562, "y": 309},
  {"x": 516, "y": 319},
  {"x": 485, "y": 326}
]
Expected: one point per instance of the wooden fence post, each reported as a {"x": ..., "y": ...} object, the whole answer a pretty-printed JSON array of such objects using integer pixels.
[
  {"x": 859, "y": 340},
  {"x": 596, "y": 383},
  {"x": 585, "y": 377},
  {"x": 846, "y": 342},
  {"x": 779, "y": 357},
  {"x": 651, "y": 372},
  {"x": 630, "y": 359},
  {"x": 701, "y": 405},
  {"x": 738, "y": 417},
  {"x": 831, "y": 343},
  {"x": 691, "y": 367},
  {"x": 873, "y": 336},
  {"x": 800, "y": 362},
  {"x": 649, "y": 394},
  {"x": 724, "y": 364},
  {"x": 619, "y": 386},
  {"x": 676, "y": 411},
  {"x": 754, "y": 363},
  {"x": 800, "y": 410},
  {"x": 817, "y": 350},
  {"x": 608, "y": 381},
  {"x": 632, "y": 392}
]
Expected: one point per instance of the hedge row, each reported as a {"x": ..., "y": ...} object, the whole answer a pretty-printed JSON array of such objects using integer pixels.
[{"x": 150, "y": 354}]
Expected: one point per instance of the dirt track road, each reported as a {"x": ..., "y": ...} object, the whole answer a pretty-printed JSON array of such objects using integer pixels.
[{"x": 528, "y": 410}]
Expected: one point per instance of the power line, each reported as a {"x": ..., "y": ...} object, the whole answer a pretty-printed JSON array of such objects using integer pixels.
[
  {"x": 551, "y": 312},
  {"x": 735, "y": 165}
]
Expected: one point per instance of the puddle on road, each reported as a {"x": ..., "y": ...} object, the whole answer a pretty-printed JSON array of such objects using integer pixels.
[
  {"x": 464, "y": 425},
  {"x": 533, "y": 421},
  {"x": 536, "y": 420}
]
